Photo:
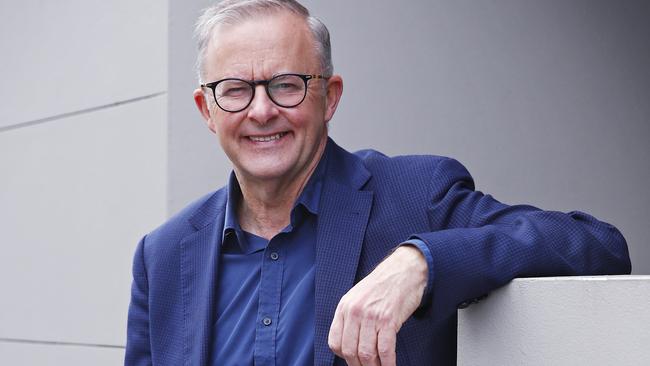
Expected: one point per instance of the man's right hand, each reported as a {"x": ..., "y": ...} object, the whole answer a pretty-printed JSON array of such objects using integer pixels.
[{"x": 368, "y": 317}]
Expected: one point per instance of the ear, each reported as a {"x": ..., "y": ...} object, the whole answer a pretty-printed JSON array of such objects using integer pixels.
[
  {"x": 333, "y": 96},
  {"x": 204, "y": 108}
]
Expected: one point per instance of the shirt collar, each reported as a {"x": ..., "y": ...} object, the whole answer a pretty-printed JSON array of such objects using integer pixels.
[{"x": 310, "y": 195}]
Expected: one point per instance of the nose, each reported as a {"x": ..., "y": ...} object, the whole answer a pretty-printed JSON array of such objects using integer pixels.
[{"x": 262, "y": 109}]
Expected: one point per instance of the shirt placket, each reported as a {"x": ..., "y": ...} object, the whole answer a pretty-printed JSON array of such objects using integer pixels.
[{"x": 269, "y": 305}]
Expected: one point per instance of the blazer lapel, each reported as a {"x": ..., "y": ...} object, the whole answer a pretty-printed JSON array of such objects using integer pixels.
[
  {"x": 199, "y": 262},
  {"x": 341, "y": 228}
]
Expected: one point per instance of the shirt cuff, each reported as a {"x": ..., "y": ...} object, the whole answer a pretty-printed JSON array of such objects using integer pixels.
[{"x": 424, "y": 249}]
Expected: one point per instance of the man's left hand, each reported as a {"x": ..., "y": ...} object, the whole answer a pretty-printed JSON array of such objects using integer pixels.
[{"x": 368, "y": 317}]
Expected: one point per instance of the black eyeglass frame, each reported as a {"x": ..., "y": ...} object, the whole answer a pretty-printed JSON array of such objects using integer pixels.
[{"x": 254, "y": 83}]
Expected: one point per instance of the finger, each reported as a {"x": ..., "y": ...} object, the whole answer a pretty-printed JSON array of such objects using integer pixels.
[
  {"x": 336, "y": 332},
  {"x": 350, "y": 339},
  {"x": 386, "y": 346},
  {"x": 367, "y": 351}
]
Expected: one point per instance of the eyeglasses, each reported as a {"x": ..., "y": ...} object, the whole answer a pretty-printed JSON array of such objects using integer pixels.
[{"x": 285, "y": 90}]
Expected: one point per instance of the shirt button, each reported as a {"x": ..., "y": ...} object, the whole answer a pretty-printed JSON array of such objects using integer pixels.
[
  {"x": 274, "y": 256},
  {"x": 266, "y": 321}
]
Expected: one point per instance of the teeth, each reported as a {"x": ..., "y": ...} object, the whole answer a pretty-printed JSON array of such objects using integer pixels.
[{"x": 277, "y": 136}]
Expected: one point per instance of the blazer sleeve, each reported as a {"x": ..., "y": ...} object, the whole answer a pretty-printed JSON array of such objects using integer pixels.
[
  {"x": 481, "y": 244},
  {"x": 138, "y": 346}
]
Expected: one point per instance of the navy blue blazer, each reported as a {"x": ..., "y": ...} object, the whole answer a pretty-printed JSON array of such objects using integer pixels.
[{"x": 369, "y": 204}]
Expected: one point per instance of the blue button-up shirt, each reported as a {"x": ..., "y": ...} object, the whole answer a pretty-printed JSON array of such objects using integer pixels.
[{"x": 265, "y": 306}]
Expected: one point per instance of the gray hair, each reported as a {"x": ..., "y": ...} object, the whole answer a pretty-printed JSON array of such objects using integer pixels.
[{"x": 230, "y": 12}]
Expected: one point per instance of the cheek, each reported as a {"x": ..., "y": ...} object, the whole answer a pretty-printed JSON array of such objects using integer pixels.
[
  {"x": 225, "y": 125},
  {"x": 310, "y": 117}
]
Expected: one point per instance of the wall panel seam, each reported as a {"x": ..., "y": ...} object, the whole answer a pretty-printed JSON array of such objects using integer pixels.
[
  {"x": 79, "y": 112},
  {"x": 57, "y": 343}
]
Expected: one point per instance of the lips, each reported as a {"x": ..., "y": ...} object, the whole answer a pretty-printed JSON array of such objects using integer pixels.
[{"x": 267, "y": 138}]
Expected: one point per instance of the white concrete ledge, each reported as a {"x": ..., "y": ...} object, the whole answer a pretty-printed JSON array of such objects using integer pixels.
[{"x": 591, "y": 320}]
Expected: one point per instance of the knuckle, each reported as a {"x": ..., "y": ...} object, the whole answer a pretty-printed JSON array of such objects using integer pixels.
[
  {"x": 356, "y": 310},
  {"x": 349, "y": 353},
  {"x": 384, "y": 316},
  {"x": 366, "y": 356},
  {"x": 386, "y": 321},
  {"x": 371, "y": 314},
  {"x": 381, "y": 317},
  {"x": 384, "y": 350}
]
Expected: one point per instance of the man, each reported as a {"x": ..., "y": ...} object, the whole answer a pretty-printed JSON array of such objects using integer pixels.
[{"x": 310, "y": 251}]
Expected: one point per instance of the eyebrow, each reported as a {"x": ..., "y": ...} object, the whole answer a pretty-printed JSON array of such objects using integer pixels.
[{"x": 236, "y": 76}]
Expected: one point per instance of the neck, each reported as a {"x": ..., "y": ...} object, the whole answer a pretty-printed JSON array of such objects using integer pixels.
[{"x": 265, "y": 207}]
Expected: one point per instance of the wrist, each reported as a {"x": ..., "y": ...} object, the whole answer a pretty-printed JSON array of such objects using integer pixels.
[
  {"x": 416, "y": 243},
  {"x": 415, "y": 261}
]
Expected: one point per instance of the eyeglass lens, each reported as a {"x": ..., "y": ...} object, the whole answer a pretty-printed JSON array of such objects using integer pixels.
[{"x": 284, "y": 90}]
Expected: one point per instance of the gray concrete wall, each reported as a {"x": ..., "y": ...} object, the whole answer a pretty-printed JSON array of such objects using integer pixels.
[
  {"x": 559, "y": 321},
  {"x": 545, "y": 102},
  {"x": 83, "y": 161}
]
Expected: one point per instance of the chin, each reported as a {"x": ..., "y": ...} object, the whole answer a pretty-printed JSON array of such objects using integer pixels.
[{"x": 267, "y": 170}]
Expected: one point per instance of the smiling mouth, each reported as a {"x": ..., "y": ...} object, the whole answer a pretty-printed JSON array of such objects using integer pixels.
[{"x": 277, "y": 136}]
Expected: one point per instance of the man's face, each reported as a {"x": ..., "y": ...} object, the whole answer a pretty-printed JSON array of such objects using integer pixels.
[{"x": 264, "y": 141}]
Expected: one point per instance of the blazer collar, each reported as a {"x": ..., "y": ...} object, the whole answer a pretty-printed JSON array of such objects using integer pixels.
[{"x": 208, "y": 211}]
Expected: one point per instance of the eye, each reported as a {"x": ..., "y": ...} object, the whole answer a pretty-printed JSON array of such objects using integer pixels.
[
  {"x": 285, "y": 87},
  {"x": 234, "y": 92},
  {"x": 233, "y": 89},
  {"x": 287, "y": 84}
]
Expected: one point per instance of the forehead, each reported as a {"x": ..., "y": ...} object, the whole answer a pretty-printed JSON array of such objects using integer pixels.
[{"x": 260, "y": 47}]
